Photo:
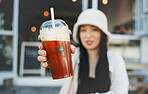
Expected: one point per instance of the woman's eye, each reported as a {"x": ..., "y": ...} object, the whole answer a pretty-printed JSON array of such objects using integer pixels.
[
  {"x": 82, "y": 30},
  {"x": 95, "y": 29}
]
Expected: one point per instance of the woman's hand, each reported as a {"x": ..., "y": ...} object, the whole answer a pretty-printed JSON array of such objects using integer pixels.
[{"x": 43, "y": 55}]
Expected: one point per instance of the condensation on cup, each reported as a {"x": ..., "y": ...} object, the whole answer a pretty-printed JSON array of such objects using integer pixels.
[{"x": 56, "y": 42}]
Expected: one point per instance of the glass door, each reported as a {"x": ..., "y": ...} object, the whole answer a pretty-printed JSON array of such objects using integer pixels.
[
  {"x": 6, "y": 35},
  {"x": 6, "y": 53},
  {"x": 8, "y": 39}
]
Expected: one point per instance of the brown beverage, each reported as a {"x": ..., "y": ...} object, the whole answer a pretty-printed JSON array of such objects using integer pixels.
[
  {"x": 56, "y": 42},
  {"x": 59, "y": 58}
]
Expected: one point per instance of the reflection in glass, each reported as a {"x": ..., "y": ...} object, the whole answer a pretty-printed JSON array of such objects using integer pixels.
[
  {"x": 6, "y": 52},
  {"x": 6, "y": 11}
]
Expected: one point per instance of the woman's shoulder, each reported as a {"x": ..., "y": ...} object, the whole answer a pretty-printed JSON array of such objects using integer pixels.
[
  {"x": 114, "y": 57},
  {"x": 115, "y": 61}
]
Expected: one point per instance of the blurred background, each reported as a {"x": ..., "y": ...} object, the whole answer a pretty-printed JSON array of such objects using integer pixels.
[{"x": 20, "y": 21}]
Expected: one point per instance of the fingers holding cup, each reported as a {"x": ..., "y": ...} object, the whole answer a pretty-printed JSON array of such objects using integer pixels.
[{"x": 73, "y": 49}]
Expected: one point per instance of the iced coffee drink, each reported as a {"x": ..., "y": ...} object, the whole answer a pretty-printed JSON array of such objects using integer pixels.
[{"x": 56, "y": 42}]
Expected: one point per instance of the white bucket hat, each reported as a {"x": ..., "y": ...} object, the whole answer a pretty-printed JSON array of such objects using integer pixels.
[{"x": 93, "y": 17}]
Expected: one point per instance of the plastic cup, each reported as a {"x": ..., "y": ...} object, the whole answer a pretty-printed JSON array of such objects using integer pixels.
[{"x": 56, "y": 42}]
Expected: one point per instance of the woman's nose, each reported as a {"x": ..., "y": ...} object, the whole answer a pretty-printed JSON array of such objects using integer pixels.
[{"x": 88, "y": 34}]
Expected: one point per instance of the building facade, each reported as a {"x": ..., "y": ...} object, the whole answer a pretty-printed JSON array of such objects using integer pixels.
[{"x": 20, "y": 22}]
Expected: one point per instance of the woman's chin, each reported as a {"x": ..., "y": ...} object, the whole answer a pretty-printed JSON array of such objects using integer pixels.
[{"x": 91, "y": 47}]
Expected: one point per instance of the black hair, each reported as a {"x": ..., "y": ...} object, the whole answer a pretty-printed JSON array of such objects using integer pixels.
[{"x": 102, "y": 67}]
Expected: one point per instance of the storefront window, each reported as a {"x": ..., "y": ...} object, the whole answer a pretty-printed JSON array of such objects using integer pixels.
[
  {"x": 6, "y": 11},
  {"x": 120, "y": 18},
  {"x": 31, "y": 17},
  {"x": 140, "y": 18},
  {"x": 6, "y": 53},
  {"x": 127, "y": 49},
  {"x": 146, "y": 4},
  {"x": 146, "y": 23},
  {"x": 146, "y": 15}
]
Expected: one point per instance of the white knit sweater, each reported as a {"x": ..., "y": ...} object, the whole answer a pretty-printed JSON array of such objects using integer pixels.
[{"x": 118, "y": 75}]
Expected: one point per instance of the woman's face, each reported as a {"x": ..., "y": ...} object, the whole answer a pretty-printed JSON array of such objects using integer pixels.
[{"x": 90, "y": 36}]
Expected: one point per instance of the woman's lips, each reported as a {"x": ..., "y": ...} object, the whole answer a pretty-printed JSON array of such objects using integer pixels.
[{"x": 89, "y": 42}]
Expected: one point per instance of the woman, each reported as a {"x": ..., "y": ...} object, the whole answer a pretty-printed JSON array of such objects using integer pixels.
[{"x": 96, "y": 70}]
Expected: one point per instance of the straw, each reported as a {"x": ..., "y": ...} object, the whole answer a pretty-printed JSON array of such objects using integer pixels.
[{"x": 52, "y": 17}]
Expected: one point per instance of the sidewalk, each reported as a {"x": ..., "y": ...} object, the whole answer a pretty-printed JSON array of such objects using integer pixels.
[
  {"x": 30, "y": 90},
  {"x": 38, "y": 90}
]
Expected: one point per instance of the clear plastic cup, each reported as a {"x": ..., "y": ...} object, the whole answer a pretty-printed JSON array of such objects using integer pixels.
[{"x": 56, "y": 42}]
